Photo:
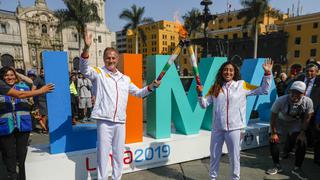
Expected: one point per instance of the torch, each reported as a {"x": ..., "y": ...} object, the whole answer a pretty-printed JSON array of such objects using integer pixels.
[
  {"x": 173, "y": 56},
  {"x": 193, "y": 61},
  {"x": 183, "y": 34}
]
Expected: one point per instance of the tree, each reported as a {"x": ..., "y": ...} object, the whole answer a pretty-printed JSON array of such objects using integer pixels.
[
  {"x": 134, "y": 16},
  {"x": 253, "y": 12},
  {"x": 192, "y": 21},
  {"x": 77, "y": 14}
]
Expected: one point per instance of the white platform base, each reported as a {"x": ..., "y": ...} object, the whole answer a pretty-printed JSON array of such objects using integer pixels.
[{"x": 80, "y": 165}]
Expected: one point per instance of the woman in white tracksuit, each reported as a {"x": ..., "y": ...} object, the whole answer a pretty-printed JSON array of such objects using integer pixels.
[
  {"x": 228, "y": 95},
  {"x": 111, "y": 90}
]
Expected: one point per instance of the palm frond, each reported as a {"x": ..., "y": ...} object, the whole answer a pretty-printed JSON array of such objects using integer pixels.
[
  {"x": 126, "y": 14},
  {"x": 192, "y": 21},
  {"x": 142, "y": 36},
  {"x": 126, "y": 27},
  {"x": 147, "y": 20},
  {"x": 78, "y": 14}
]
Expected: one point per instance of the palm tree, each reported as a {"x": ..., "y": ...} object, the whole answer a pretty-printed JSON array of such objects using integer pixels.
[
  {"x": 135, "y": 18},
  {"x": 192, "y": 21},
  {"x": 77, "y": 14},
  {"x": 253, "y": 12}
]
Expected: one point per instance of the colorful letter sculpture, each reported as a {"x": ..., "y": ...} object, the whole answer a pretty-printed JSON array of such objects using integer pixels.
[{"x": 169, "y": 103}]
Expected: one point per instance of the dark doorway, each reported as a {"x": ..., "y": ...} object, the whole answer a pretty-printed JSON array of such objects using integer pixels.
[
  {"x": 76, "y": 64},
  {"x": 7, "y": 60}
]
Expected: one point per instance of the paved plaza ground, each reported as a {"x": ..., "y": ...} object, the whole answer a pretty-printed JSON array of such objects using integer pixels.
[{"x": 254, "y": 162}]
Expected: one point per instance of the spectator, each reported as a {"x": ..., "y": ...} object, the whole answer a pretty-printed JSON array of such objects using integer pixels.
[
  {"x": 290, "y": 116},
  {"x": 15, "y": 125},
  {"x": 85, "y": 95},
  {"x": 74, "y": 98},
  {"x": 32, "y": 74},
  {"x": 41, "y": 101},
  {"x": 282, "y": 84},
  {"x": 7, "y": 90},
  {"x": 312, "y": 81},
  {"x": 317, "y": 137}
]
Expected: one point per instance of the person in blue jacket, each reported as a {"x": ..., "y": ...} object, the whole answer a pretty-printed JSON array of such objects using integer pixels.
[{"x": 15, "y": 125}]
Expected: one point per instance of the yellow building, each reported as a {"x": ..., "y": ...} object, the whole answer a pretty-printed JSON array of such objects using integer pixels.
[
  {"x": 228, "y": 26},
  {"x": 161, "y": 38},
  {"x": 304, "y": 38}
]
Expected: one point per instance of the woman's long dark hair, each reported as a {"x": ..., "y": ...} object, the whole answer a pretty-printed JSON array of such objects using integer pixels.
[
  {"x": 219, "y": 81},
  {"x": 4, "y": 70}
]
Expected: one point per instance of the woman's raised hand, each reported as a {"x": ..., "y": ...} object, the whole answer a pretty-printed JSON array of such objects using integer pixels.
[{"x": 267, "y": 66}]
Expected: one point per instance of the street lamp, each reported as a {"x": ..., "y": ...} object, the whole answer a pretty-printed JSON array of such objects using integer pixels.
[{"x": 206, "y": 17}]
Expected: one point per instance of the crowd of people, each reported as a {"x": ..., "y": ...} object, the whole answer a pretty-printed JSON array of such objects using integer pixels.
[
  {"x": 295, "y": 117},
  {"x": 82, "y": 98},
  {"x": 294, "y": 122}
]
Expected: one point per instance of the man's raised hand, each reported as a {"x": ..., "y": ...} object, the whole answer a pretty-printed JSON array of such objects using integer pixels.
[{"x": 87, "y": 38}]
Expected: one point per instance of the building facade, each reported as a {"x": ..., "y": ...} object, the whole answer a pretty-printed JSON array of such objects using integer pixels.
[
  {"x": 304, "y": 38},
  {"x": 161, "y": 38},
  {"x": 287, "y": 40},
  {"x": 121, "y": 38},
  {"x": 27, "y": 32},
  {"x": 227, "y": 36}
]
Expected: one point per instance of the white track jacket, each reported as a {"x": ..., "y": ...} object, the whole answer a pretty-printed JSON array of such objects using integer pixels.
[
  {"x": 229, "y": 107},
  {"x": 112, "y": 90}
]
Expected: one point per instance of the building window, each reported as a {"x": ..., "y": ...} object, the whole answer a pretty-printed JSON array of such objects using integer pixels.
[
  {"x": 314, "y": 39},
  {"x": 225, "y": 36},
  {"x": 184, "y": 51},
  {"x": 220, "y": 20},
  {"x": 75, "y": 37},
  {"x": 315, "y": 25},
  {"x": 3, "y": 29},
  {"x": 313, "y": 52},
  {"x": 229, "y": 19},
  {"x": 44, "y": 29},
  {"x": 185, "y": 60},
  {"x": 297, "y": 40},
  {"x": 99, "y": 39},
  {"x": 164, "y": 36},
  {"x": 245, "y": 34},
  {"x": 298, "y": 27},
  {"x": 100, "y": 52},
  {"x": 296, "y": 53},
  {"x": 235, "y": 36}
]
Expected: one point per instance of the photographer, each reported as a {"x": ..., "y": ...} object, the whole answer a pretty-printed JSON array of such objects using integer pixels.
[{"x": 289, "y": 119}]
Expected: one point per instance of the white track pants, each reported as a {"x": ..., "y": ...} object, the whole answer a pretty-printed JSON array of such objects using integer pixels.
[
  {"x": 110, "y": 135},
  {"x": 232, "y": 139}
]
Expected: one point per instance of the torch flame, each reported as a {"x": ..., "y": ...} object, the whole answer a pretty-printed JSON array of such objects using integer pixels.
[{"x": 183, "y": 33}]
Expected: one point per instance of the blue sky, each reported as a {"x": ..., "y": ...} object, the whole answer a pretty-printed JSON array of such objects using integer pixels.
[{"x": 164, "y": 9}]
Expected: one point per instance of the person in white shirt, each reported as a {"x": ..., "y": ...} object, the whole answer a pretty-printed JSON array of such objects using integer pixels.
[
  {"x": 228, "y": 95},
  {"x": 111, "y": 91}
]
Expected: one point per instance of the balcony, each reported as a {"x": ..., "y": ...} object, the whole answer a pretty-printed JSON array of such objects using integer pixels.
[{"x": 10, "y": 39}]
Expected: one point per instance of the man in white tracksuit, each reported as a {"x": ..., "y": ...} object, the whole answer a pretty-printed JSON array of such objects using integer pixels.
[
  {"x": 112, "y": 89},
  {"x": 228, "y": 95}
]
